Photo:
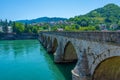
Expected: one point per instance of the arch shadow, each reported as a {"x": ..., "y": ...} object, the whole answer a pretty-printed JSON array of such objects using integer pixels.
[
  {"x": 108, "y": 69},
  {"x": 70, "y": 54},
  {"x": 54, "y": 45}
]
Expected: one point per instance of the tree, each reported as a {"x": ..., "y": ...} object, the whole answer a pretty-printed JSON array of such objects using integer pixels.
[
  {"x": 14, "y": 27},
  {"x": 10, "y": 23},
  {"x": 19, "y": 28},
  {"x": 54, "y": 28},
  {"x": 84, "y": 23},
  {"x": 1, "y": 22},
  {"x": 27, "y": 28},
  {"x": 67, "y": 28},
  {"x": 5, "y": 26}
]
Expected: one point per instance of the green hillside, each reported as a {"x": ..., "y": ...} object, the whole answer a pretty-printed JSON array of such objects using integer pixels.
[{"x": 108, "y": 16}]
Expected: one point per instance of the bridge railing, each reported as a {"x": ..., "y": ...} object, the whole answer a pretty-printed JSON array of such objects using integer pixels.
[{"x": 113, "y": 37}]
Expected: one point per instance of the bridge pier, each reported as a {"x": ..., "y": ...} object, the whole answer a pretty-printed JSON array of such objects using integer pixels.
[
  {"x": 49, "y": 47},
  {"x": 57, "y": 58},
  {"x": 44, "y": 43},
  {"x": 81, "y": 70},
  {"x": 57, "y": 55},
  {"x": 77, "y": 76}
]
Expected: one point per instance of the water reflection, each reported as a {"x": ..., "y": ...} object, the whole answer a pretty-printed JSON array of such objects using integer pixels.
[
  {"x": 64, "y": 68},
  {"x": 20, "y": 50},
  {"x": 28, "y": 60}
]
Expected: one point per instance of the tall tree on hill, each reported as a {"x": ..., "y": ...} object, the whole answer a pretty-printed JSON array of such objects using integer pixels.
[
  {"x": 14, "y": 27},
  {"x": 26, "y": 28}
]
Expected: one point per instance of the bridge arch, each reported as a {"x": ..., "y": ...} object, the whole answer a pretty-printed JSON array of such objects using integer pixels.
[
  {"x": 108, "y": 69},
  {"x": 54, "y": 45},
  {"x": 69, "y": 52},
  {"x": 103, "y": 59}
]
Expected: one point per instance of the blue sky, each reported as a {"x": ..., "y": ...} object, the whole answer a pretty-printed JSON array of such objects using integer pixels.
[{"x": 31, "y": 9}]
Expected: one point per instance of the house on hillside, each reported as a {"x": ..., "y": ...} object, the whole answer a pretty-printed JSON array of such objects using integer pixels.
[
  {"x": 10, "y": 29},
  {"x": 113, "y": 26},
  {"x": 102, "y": 27},
  {"x": 60, "y": 29}
]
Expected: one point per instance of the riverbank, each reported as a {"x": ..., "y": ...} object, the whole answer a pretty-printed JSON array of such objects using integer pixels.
[{"x": 13, "y": 36}]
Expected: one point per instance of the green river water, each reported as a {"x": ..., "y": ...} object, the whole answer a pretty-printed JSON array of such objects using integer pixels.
[{"x": 28, "y": 60}]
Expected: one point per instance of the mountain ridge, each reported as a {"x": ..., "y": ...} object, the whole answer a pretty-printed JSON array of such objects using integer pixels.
[{"x": 42, "y": 19}]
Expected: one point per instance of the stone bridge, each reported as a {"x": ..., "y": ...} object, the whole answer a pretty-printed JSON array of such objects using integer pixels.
[{"x": 97, "y": 53}]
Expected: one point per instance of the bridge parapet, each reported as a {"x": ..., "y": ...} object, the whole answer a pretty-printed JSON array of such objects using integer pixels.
[{"x": 112, "y": 37}]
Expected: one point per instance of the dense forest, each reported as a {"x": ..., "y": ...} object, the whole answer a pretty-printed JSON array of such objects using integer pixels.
[{"x": 105, "y": 18}]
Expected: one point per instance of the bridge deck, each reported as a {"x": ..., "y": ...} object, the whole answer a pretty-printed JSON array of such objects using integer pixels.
[{"x": 111, "y": 37}]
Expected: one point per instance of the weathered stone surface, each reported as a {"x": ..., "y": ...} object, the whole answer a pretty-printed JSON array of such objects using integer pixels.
[{"x": 91, "y": 48}]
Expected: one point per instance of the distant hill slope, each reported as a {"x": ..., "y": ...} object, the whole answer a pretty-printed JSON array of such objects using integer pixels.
[
  {"x": 42, "y": 19},
  {"x": 106, "y": 11},
  {"x": 109, "y": 14}
]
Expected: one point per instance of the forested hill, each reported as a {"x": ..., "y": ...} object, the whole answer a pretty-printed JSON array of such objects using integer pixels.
[
  {"x": 42, "y": 19},
  {"x": 110, "y": 10},
  {"x": 108, "y": 15}
]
